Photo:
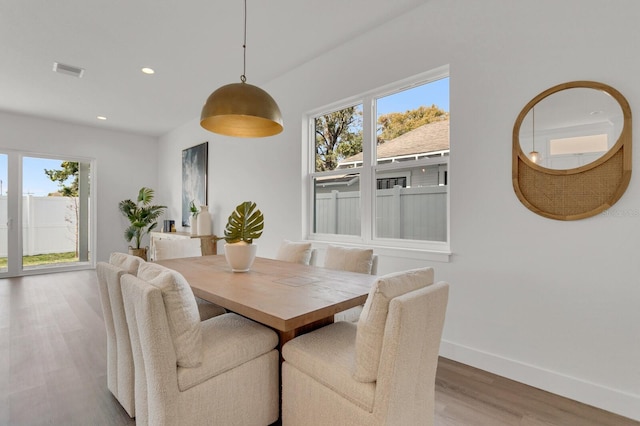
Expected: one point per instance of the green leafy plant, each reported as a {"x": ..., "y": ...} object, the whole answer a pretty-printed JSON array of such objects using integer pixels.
[
  {"x": 193, "y": 209},
  {"x": 142, "y": 215},
  {"x": 245, "y": 223}
]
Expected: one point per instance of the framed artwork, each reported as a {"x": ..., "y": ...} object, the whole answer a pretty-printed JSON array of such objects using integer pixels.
[{"x": 194, "y": 178}]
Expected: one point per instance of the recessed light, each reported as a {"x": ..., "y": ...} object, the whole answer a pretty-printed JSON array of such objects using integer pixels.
[
  {"x": 148, "y": 71},
  {"x": 101, "y": 117}
]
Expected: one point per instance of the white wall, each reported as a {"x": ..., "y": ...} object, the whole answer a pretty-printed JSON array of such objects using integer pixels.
[
  {"x": 124, "y": 163},
  {"x": 550, "y": 303}
]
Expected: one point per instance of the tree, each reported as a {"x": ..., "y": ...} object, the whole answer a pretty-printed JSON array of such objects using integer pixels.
[
  {"x": 394, "y": 124},
  {"x": 69, "y": 170},
  {"x": 338, "y": 135}
]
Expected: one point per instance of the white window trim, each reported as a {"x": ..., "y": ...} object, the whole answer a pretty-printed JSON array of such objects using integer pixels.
[{"x": 421, "y": 250}]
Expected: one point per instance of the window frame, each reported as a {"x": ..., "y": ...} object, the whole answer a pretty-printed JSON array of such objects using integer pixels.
[{"x": 419, "y": 249}]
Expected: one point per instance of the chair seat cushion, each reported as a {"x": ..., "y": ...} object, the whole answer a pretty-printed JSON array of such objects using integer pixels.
[
  {"x": 374, "y": 316},
  {"x": 228, "y": 341},
  {"x": 327, "y": 355},
  {"x": 182, "y": 311}
]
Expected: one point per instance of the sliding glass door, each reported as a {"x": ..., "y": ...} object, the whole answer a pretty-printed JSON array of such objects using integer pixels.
[
  {"x": 45, "y": 213},
  {"x": 4, "y": 216}
]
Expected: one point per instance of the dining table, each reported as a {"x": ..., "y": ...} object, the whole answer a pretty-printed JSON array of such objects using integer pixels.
[{"x": 290, "y": 298}]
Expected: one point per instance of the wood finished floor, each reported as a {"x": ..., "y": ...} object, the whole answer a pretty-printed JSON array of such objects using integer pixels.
[{"x": 53, "y": 368}]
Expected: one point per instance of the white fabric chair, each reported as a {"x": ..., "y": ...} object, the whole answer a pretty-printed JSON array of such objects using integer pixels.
[
  {"x": 119, "y": 354},
  {"x": 296, "y": 252},
  {"x": 353, "y": 260},
  {"x": 120, "y": 366},
  {"x": 220, "y": 371},
  {"x": 192, "y": 247},
  {"x": 173, "y": 249},
  {"x": 378, "y": 372}
]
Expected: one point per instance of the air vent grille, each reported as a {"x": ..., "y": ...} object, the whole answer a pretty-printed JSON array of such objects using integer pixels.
[{"x": 68, "y": 69}]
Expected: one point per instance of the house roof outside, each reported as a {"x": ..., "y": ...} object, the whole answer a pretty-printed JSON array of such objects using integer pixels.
[{"x": 430, "y": 138}]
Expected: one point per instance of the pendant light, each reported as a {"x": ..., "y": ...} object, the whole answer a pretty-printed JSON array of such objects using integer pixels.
[
  {"x": 241, "y": 109},
  {"x": 534, "y": 155}
]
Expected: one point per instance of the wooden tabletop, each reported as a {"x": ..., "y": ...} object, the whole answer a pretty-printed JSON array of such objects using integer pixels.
[{"x": 282, "y": 295}]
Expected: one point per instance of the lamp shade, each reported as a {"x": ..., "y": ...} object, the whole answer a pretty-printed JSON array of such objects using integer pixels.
[{"x": 242, "y": 110}]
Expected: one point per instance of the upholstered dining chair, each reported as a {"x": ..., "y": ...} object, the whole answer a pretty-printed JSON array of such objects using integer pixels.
[
  {"x": 297, "y": 252},
  {"x": 120, "y": 366},
  {"x": 354, "y": 260},
  {"x": 119, "y": 355},
  {"x": 191, "y": 247},
  {"x": 378, "y": 372},
  {"x": 173, "y": 249},
  {"x": 220, "y": 371}
]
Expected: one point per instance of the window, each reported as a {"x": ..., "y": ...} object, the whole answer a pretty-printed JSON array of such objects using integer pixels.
[
  {"x": 379, "y": 170},
  {"x": 45, "y": 207}
]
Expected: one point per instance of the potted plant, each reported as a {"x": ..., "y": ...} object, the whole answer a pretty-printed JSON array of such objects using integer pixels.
[
  {"x": 244, "y": 225},
  {"x": 194, "y": 216},
  {"x": 143, "y": 218}
]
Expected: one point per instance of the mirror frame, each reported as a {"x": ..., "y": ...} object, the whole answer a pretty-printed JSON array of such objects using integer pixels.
[{"x": 559, "y": 194}]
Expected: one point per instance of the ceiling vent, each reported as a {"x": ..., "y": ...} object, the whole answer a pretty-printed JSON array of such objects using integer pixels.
[{"x": 68, "y": 69}]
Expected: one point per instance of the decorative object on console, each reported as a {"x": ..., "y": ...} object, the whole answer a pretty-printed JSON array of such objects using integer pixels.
[
  {"x": 242, "y": 109},
  {"x": 245, "y": 224},
  {"x": 194, "y": 218},
  {"x": 143, "y": 218},
  {"x": 194, "y": 179},
  {"x": 204, "y": 221},
  {"x": 169, "y": 226},
  {"x": 583, "y": 138}
]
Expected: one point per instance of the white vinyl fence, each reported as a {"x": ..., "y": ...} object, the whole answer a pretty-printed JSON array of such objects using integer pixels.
[
  {"x": 48, "y": 225},
  {"x": 403, "y": 213}
]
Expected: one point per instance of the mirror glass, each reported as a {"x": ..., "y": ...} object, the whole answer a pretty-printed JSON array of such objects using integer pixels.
[{"x": 571, "y": 128}]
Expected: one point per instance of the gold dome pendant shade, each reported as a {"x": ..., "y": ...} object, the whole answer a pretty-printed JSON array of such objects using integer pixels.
[{"x": 241, "y": 109}]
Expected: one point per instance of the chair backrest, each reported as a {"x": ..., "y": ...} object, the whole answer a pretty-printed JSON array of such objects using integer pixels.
[
  {"x": 405, "y": 388},
  {"x": 349, "y": 259},
  {"x": 172, "y": 249},
  {"x": 371, "y": 324},
  {"x": 154, "y": 356},
  {"x": 296, "y": 252},
  {"x": 313, "y": 257},
  {"x": 120, "y": 367}
]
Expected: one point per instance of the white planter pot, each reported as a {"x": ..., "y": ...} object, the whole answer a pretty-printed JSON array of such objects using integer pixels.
[
  {"x": 194, "y": 226},
  {"x": 240, "y": 256}
]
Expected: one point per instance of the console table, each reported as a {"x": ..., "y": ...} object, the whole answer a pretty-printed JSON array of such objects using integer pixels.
[{"x": 209, "y": 244}]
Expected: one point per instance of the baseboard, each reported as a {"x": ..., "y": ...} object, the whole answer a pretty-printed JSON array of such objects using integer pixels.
[{"x": 612, "y": 400}]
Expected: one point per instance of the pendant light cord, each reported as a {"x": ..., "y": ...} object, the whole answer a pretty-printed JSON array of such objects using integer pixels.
[{"x": 243, "y": 77}]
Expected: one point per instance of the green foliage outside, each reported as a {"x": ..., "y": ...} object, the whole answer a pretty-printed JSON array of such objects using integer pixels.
[
  {"x": 69, "y": 169},
  {"x": 339, "y": 134},
  {"x": 395, "y": 124},
  {"x": 43, "y": 259}
]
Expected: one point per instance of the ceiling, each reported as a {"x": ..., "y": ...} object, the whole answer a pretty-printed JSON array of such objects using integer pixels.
[{"x": 194, "y": 46}]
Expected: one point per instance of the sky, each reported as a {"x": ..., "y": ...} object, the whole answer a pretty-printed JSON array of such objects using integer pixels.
[
  {"x": 35, "y": 182},
  {"x": 436, "y": 92}
]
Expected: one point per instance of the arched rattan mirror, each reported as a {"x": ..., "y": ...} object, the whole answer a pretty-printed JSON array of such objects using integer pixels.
[{"x": 572, "y": 150}]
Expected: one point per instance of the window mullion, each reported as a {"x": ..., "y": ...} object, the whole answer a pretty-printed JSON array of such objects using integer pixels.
[{"x": 367, "y": 183}]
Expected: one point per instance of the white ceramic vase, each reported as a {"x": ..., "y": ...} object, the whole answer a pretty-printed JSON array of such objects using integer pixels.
[
  {"x": 204, "y": 221},
  {"x": 194, "y": 225},
  {"x": 240, "y": 256}
]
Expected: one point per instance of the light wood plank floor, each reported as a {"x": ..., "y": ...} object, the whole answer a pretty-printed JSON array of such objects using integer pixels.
[{"x": 53, "y": 368}]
